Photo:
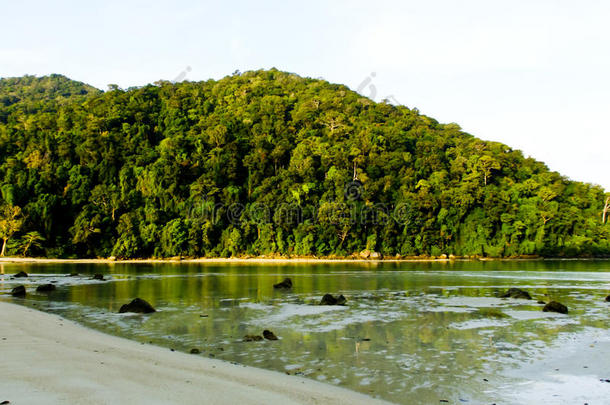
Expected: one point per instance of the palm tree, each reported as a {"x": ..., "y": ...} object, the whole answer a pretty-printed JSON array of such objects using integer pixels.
[{"x": 31, "y": 240}]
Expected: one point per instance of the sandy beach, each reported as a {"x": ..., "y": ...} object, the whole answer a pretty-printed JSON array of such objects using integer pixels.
[
  {"x": 262, "y": 260},
  {"x": 46, "y": 359},
  {"x": 252, "y": 260}
]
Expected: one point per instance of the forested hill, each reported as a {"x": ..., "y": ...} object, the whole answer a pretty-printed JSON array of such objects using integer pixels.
[
  {"x": 269, "y": 163},
  {"x": 37, "y": 93}
]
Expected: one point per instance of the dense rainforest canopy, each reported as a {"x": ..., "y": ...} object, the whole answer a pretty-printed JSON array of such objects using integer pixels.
[{"x": 268, "y": 163}]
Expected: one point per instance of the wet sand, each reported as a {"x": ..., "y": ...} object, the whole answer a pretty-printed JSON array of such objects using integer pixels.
[{"x": 574, "y": 371}]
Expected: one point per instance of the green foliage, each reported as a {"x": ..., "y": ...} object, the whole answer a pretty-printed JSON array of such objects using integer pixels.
[
  {"x": 10, "y": 223},
  {"x": 31, "y": 241},
  {"x": 260, "y": 163}
]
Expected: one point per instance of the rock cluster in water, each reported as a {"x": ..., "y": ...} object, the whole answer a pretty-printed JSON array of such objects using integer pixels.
[
  {"x": 18, "y": 291},
  {"x": 252, "y": 338},
  {"x": 516, "y": 293},
  {"x": 555, "y": 306},
  {"x": 328, "y": 299},
  {"x": 267, "y": 334},
  {"x": 138, "y": 306},
  {"x": 46, "y": 288},
  {"x": 286, "y": 284}
]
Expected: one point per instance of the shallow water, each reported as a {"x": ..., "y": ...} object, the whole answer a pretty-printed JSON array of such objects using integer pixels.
[{"x": 410, "y": 333}]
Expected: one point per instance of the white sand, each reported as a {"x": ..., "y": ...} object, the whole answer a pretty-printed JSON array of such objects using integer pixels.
[
  {"x": 45, "y": 359},
  {"x": 215, "y": 260}
]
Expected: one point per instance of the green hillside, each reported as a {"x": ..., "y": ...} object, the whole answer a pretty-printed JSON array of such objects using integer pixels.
[{"x": 269, "y": 163}]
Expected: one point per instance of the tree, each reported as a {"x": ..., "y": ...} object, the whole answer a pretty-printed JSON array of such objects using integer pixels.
[
  {"x": 487, "y": 164},
  {"x": 10, "y": 223},
  {"x": 31, "y": 240}
]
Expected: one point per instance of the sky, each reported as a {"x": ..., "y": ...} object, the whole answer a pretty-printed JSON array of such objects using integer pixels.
[{"x": 534, "y": 74}]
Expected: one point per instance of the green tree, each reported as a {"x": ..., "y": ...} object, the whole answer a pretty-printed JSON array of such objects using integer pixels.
[
  {"x": 10, "y": 223},
  {"x": 31, "y": 240}
]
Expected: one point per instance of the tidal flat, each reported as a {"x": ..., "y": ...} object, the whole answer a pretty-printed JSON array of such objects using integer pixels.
[{"x": 422, "y": 332}]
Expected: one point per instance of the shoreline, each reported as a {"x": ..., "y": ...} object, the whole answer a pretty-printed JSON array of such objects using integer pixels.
[
  {"x": 276, "y": 260},
  {"x": 49, "y": 359}
]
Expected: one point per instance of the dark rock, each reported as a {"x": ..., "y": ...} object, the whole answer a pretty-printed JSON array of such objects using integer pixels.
[
  {"x": 18, "y": 291},
  {"x": 541, "y": 302},
  {"x": 516, "y": 293},
  {"x": 555, "y": 306},
  {"x": 73, "y": 275},
  {"x": 21, "y": 274},
  {"x": 195, "y": 351},
  {"x": 328, "y": 299},
  {"x": 287, "y": 283},
  {"x": 98, "y": 277},
  {"x": 46, "y": 288},
  {"x": 252, "y": 338},
  {"x": 608, "y": 298},
  {"x": 138, "y": 306},
  {"x": 5, "y": 402},
  {"x": 267, "y": 334}
]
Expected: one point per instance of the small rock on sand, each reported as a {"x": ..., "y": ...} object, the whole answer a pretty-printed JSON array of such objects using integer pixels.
[{"x": 365, "y": 254}]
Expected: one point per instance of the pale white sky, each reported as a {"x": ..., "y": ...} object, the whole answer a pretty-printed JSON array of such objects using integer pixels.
[{"x": 532, "y": 74}]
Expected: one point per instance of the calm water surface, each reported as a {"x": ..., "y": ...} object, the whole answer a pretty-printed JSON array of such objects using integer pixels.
[{"x": 411, "y": 332}]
